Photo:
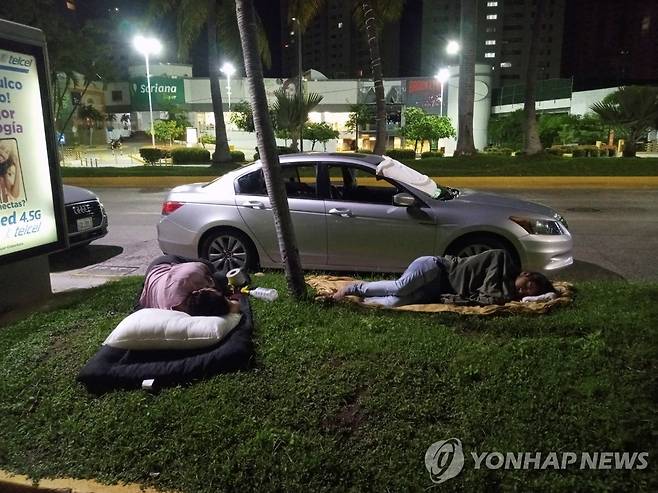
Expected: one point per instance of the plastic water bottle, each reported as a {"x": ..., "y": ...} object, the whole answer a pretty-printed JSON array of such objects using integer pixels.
[{"x": 267, "y": 294}]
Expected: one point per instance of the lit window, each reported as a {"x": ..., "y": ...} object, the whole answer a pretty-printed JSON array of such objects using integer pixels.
[
  {"x": 491, "y": 29},
  {"x": 490, "y": 42},
  {"x": 491, "y": 17},
  {"x": 492, "y": 4},
  {"x": 505, "y": 65},
  {"x": 340, "y": 25},
  {"x": 489, "y": 55}
]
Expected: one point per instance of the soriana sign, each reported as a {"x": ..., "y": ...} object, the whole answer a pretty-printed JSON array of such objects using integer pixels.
[{"x": 31, "y": 210}]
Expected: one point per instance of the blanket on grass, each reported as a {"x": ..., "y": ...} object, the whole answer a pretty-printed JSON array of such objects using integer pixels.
[{"x": 325, "y": 286}]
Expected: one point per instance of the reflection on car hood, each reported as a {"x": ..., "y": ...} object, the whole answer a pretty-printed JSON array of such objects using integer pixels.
[
  {"x": 494, "y": 200},
  {"x": 76, "y": 194}
]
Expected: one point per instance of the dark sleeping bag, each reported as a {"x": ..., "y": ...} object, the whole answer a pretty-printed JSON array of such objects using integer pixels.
[{"x": 113, "y": 368}]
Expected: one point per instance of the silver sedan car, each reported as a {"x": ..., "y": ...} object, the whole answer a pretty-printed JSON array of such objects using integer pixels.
[{"x": 350, "y": 214}]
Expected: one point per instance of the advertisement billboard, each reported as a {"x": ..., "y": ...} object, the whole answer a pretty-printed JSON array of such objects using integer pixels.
[{"x": 31, "y": 211}]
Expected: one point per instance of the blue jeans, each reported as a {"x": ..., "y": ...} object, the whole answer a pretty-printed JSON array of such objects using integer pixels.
[{"x": 419, "y": 283}]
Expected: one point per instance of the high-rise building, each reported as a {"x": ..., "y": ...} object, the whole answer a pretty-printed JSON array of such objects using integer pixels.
[
  {"x": 504, "y": 29},
  {"x": 610, "y": 43},
  {"x": 334, "y": 45}
]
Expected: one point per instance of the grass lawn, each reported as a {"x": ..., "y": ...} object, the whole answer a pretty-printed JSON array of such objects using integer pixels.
[
  {"x": 344, "y": 398},
  {"x": 481, "y": 165}
]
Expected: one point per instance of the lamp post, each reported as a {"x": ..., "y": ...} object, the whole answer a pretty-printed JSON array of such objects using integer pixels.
[
  {"x": 299, "y": 83},
  {"x": 229, "y": 70},
  {"x": 148, "y": 46},
  {"x": 442, "y": 76}
]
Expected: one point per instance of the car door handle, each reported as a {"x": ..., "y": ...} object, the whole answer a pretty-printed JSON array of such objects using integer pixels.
[
  {"x": 254, "y": 204},
  {"x": 341, "y": 212}
]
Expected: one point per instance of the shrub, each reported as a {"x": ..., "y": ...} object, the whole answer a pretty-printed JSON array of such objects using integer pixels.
[
  {"x": 498, "y": 151},
  {"x": 207, "y": 139},
  {"x": 190, "y": 155},
  {"x": 237, "y": 157},
  {"x": 430, "y": 154},
  {"x": 151, "y": 155},
  {"x": 364, "y": 151},
  {"x": 401, "y": 153}
]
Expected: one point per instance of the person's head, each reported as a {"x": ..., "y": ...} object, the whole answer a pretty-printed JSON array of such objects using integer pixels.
[
  {"x": 209, "y": 302},
  {"x": 532, "y": 284},
  {"x": 8, "y": 171}
]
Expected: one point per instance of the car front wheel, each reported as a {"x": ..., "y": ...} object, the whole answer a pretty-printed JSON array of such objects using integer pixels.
[
  {"x": 229, "y": 249},
  {"x": 478, "y": 244}
]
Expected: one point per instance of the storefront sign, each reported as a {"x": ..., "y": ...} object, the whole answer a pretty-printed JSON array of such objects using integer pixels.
[{"x": 166, "y": 92}]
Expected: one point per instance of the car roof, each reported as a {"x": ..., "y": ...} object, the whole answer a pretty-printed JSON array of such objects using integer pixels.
[{"x": 369, "y": 159}]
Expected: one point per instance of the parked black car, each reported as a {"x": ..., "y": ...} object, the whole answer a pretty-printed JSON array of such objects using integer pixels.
[{"x": 85, "y": 216}]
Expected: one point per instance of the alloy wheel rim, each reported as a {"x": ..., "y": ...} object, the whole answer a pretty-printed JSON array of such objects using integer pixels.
[
  {"x": 473, "y": 249},
  {"x": 226, "y": 252}
]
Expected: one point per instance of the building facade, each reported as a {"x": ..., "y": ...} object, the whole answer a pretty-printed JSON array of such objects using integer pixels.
[{"x": 504, "y": 29}]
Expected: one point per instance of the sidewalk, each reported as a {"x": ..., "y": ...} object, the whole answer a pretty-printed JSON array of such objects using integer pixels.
[{"x": 501, "y": 182}]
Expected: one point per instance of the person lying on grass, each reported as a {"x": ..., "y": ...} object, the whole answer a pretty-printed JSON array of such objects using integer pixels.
[
  {"x": 487, "y": 278},
  {"x": 187, "y": 285}
]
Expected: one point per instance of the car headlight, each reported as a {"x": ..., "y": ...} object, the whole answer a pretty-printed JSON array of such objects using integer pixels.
[
  {"x": 540, "y": 226},
  {"x": 562, "y": 220}
]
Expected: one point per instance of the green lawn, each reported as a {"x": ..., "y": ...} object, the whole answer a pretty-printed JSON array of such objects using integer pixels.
[
  {"x": 344, "y": 398},
  {"x": 481, "y": 165}
]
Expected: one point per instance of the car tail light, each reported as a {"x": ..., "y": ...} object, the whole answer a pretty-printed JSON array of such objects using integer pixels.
[{"x": 169, "y": 207}]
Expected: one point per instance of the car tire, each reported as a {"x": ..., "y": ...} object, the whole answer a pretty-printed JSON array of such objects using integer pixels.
[
  {"x": 473, "y": 245},
  {"x": 229, "y": 249}
]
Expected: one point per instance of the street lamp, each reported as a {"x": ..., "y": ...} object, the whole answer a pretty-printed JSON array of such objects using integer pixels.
[
  {"x": 452, "y": 48},
  {"x": 442, "y": 76},
  {"x": 148, "y": 46},
  {"x": 229, "y": 70}
]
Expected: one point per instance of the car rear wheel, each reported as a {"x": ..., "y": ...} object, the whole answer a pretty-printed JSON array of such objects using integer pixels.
[{"x": 229, "y": 249}]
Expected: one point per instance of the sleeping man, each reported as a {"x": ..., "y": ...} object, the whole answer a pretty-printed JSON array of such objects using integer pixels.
[
  {"x": 488, "y": 278},
  {"x": 186, "y": 285}
]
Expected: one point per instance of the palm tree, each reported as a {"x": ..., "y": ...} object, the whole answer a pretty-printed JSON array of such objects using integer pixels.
[
  {"x": 217, "y": 16},
  {"x": 267, "y": 149},
  {"x": 530, "y": 127},
  {"x": 371, "y": 16},
  {"x": 291, "y": 115},
  {"x": 632, "y": 108},
  {"x": 90, "y": 117},
  {"x": 468, "y": 19}
]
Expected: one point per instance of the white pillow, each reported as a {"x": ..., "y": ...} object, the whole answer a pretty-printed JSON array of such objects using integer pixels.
[{"x": 154, "y": 328}]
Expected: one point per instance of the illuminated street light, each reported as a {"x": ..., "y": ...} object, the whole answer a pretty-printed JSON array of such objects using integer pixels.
[
  {"x": 148, "y": 46},
  {"x": 442, "y": 76},
  {"x": 228, "y": 69},
  {"x": 452, "y": 48}
]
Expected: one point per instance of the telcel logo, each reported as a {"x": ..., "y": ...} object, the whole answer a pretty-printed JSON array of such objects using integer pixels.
[{"x": 16, "y": 60}]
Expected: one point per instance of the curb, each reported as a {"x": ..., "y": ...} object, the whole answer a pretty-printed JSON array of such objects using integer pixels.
[
  {"x": 23, "y": 484},
  {"x": 645, "y": 182}
]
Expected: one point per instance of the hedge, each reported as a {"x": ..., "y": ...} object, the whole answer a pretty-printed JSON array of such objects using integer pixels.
[
  {"x": 151, "y": 155},
  {"x": 401, "y": 153},
  {"x": 498, "y": 151},
  {"x": 237, "y": 157},
  {"x": 431, "y": 154},
  {"x": 190, "y": 155}
]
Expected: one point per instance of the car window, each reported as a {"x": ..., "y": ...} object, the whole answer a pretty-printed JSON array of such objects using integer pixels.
[
  {"x": 354, "y": 184},
  {"x": 300, "y": 181},
  {"x": 251, "y": 184}
]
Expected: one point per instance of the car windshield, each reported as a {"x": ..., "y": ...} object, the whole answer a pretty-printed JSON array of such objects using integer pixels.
[{"x": 395, "y": 170}]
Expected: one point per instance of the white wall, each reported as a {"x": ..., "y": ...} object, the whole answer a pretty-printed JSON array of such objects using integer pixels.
[{"x": 582, "y": 100}]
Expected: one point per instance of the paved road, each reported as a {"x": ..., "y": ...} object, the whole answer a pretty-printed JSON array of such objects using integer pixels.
[{"x": 615, "y": 234}]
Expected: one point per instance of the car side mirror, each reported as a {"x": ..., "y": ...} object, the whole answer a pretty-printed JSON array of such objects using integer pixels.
[{"x": 404, "y": 200}]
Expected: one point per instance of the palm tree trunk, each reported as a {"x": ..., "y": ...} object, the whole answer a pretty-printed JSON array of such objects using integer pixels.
[
  {"x": 468, "y": 19},
  {"x": 267, "y": 149},
  {"x": 221, "y": 154},
  {"x": 531, "y": 130},
  {"x": 630, "y": 148},
  {"x": 376, "y": 67}
]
